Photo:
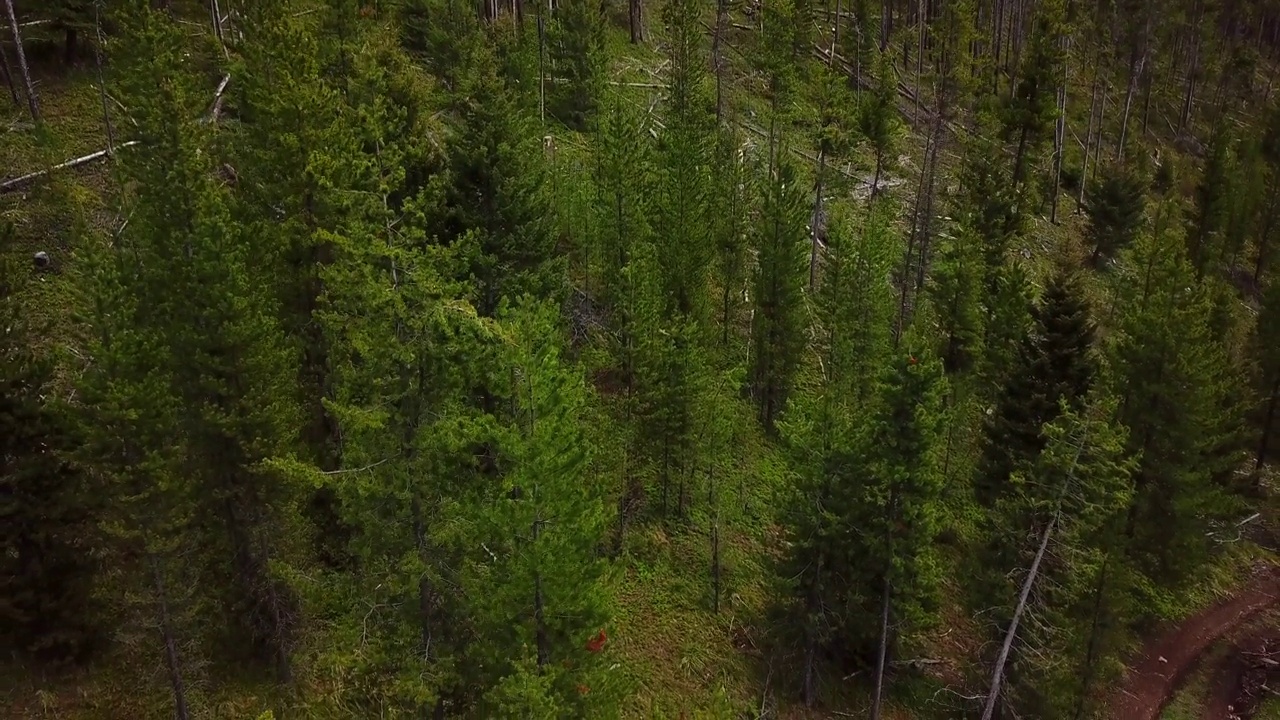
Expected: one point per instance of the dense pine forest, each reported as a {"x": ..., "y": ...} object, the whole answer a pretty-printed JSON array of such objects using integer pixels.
[{"x": 674, "y": 358}]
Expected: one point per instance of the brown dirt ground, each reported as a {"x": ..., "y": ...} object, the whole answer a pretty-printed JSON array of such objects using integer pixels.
[{"x": 1166, "y": 660}]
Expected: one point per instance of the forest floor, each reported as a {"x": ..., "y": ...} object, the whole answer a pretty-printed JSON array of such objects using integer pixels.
[
  {"x": 1241, "y": 678},
  {"x": 1167, "y": 660}
]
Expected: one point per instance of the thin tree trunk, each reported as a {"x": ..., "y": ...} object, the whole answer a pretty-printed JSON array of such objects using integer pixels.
[
  {"x": 17, "y": 182},
  {"x": 33, "y": 103},
  {"x": 811, "y": 641},
  {"x": 922, "y": 225},
  {"x": 997, "y": 44},
  {"x": 634, "y": 21},
  {"x": 1092, "y": 648},
  {"x": 816, "y": 222},
  {"x": 886, "y": 23},
  {"x": 1020, "y": 158},
  {"x": 920, "y": 21},
  {"x": 217, "y": 21},
  {"x": 173, "y": 661},
  {"x": 1136, "y": 68},
  {"x": 997, "y": 675},
  {"x": 1268, "y": 226},
  {"x": 883, "y": 651},
  {"x": 1268, "y": 424},
  {"x": 1102, "y": 117},
  {"x": 1189, "y": 96},
  {"x": 1059, "y": 132},
  {"x": 102, "y": 85},
  {"x": 425, "y": 599},
  {"x": 1088, "y": 135},
  {"x": 715, "y": 542},
  {"x": 8, "y": 76},
  {"x": 539, "y": 618},
  {"x": 717, "y": 60},
  {"x": 1147, "y": 84},
  {"x": 542, "y": 67}
]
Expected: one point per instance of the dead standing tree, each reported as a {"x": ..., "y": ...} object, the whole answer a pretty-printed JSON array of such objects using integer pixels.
[{"x": 32, "y": 101}]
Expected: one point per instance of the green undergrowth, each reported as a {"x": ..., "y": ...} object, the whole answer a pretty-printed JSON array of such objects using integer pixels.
[{"x": 1189, "y": 702}]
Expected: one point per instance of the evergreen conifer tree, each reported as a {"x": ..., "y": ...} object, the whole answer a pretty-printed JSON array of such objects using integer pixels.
[
  {"x": 1115, "y": 211},
  {"x": 878, "y": 118},
  {"x": 1054, "y": 365},
  {"x": 576, "y": 52},
  {"x": 683, "y": 235},
  {"x": 537, "y": 584},
  {"x": 731, "y": 201},
  {"x": 201, "y": 297},
  {"x": 1050, "y": 532},
  {"x": 624, "y": 188},
  {"x": 956, "y": 291},
  {"x": 897, "y": 510},
  {"x": 854, "y": 307},
  {"x": 1031, "y": 106},
  {"x": 778, "y": 327},
  {"x": 1213, "y": 204},
  {"x": 1174, "y": 379},
  {"x": 493, "y": 205}
]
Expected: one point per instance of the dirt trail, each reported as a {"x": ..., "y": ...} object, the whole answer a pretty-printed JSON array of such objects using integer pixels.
[{"x": 1166, "y": 660}]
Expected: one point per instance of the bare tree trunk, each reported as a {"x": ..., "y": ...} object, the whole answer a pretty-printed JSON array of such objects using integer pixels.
[
  {"x": 217, "y": 21},
  {"x": 542, "y": 66},
  {"x": 816, "y": 223},
  {"x": 1102, "y": 117},
  {"x": 1188, "y": 98},
  {"x": 1088, "y": 135},
  {"x": 884, "y": 647},
  {"x": 997, "y": 675},
  {"x": 102, "y": 85},
  {"x": 997, "y": 44},
  {"x": 920, "y": 21},
  {"x": 173, "y": 661},
  {"x": 540, "y": 629},
  {"x": 811, "y": 641},
  {"x": 8, "y": 76},
  {"x": 921, "y": 224},
  {"x": 1060, "y": 131},
  {"x": 635, "y": 21},
  {"x": 715, "y": 541},
  {"x": 886, "y": 23},
  {"x": 1135, "y": 72},
  {"x": 1267, "y": 425},
  {"x": 912, "y": 238},
  {"x": 33, "y": 103},
  {"x": 1091, "y": 650},
  {"x": 717, "y": 59}
]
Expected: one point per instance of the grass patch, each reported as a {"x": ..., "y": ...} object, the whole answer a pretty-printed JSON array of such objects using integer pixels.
[{"x": 1190, "y": 700}]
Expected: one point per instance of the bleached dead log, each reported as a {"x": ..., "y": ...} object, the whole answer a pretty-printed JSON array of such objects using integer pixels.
[
  {"x": 18, "y": 182},
  {"x": 215, "y": 108}
]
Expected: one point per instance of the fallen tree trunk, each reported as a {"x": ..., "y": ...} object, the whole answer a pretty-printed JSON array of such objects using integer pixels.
[{"x": 18, "y": 182}]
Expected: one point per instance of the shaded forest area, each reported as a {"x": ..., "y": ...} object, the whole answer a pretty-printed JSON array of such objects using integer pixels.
[{"x": 421, "y": 358}]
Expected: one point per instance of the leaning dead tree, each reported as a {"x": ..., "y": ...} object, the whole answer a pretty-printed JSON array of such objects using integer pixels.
[
  {"x": 997, "y": 674},
  {"x": 32, "y": 102}
]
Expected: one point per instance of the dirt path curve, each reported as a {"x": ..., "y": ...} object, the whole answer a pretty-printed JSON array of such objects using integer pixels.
[{"x": 1165, "y": 662}]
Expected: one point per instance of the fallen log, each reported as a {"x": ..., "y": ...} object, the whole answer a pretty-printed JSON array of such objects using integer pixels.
[
  {"x": 211, "y": 116},
  {"x": 18, "y": 182}
]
